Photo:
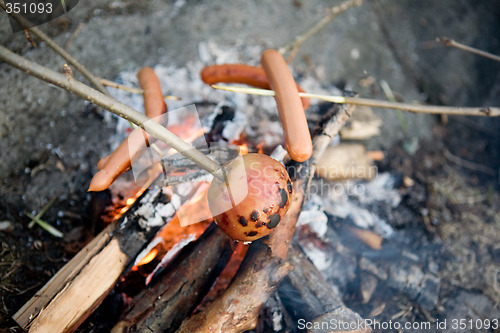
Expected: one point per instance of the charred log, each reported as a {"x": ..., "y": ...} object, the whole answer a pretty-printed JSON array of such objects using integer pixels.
[{"x": 163, "y": 306}]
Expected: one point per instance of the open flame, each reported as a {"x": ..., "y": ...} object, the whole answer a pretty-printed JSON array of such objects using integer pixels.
[
  {"x": 243, "y": 149},
  {"x": 148, "y": 258}
]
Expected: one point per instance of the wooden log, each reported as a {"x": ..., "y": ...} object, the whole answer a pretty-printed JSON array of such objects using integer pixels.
[
  {"x": 81, "y": 285},
  {"x": 307, "y": 296},
  {"x": 163, "y": 306}
]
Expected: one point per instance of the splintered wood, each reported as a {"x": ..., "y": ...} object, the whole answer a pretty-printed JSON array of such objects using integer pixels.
[{"x": 83, "y": 283}]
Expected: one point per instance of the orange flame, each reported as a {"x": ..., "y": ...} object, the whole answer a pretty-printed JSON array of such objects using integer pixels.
[
  {"x": 148, "y": 258},
  {"x": 243, "y": 149},
  {"x": 260, "y": 147}
]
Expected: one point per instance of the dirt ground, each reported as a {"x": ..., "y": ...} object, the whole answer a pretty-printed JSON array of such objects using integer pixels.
[{"x": 51, "y": 141}]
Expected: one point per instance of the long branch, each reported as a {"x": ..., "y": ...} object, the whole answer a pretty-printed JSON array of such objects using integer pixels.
[
  {"x": 58, "y": 49},
  {"x": 110, "y": 104},
  {"x": 332, "y": 12},
  {"x": 433, "y": 109}
]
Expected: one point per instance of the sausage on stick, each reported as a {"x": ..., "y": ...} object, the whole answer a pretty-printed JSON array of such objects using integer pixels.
[
  {"x": 297, "y": 137},
  {"x": 241, "y": 73},
  {"x": 112, "y": 166}
]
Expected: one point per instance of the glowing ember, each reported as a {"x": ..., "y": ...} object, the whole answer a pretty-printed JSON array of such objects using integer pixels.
[
  {"x": 260, "y": 147},
  {"x": 148, "y": 258}
]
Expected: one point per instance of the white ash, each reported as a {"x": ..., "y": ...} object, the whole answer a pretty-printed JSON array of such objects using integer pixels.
[
  {"x": 312, "y": 214},
  {"x": 320, "y": 258},
  {"x": 381, "y": 189},
  {"x": 123, "y": 223},
  {"x": 277, "y": 318},
  {"x": 186, "y": 189},
  {"x": 211, "y": 52},
  {"x": 208, "y": 122},
  {"x": 354, "y": 200},
  {"x": 150, "y": 196},
  {"x": 235, "y": 127},
  {"x": 158, "y": 214},
  {"x": 361, "y": 217},
  {"x": 279, "y": 153}
]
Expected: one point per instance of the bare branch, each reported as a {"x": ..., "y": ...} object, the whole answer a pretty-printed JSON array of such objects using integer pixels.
[
  {"x": 452, "y": 43},
  {"x": 332, "y": 13},
  {"x": 133, "y": 90}
]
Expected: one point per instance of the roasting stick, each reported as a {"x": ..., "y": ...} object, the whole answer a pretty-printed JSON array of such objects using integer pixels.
[
  {"x": 83, "y": 91},
  {"x": 111, "y": 84},
  {"x": 431, "y": 109},
  {"x": 241, "y": 73}
]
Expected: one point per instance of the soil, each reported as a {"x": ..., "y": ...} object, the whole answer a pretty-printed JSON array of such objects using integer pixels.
[{"x": 51, "y": 141}]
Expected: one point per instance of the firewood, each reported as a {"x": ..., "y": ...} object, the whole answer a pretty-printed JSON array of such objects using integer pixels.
[
  {"x": 81, "y": 285},
  {"x": 163, "y": 306},
  {"x": 265, "y": 265}
]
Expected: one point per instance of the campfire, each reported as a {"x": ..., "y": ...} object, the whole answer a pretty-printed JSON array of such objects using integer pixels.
[
  {"x": 316, "y": 245},
  {"x": 160, "y": 235}
]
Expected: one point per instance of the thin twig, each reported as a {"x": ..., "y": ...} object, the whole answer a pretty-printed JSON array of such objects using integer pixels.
[
  {"x": 133, "y": 90},
  {"x": 110, "y": 104},
  {"x": 58, "y": 49},
  {"x": 332, "y": 12},
  {"x": 45, "y": 226},
  {"x": 73, "y": 35},
  {"x": 327, "y": 133},
  {"x": 432, "y": 109},
  {"x": 29, "y": 38},
  {"x": 452, "y": 43},
  {"x": 42, "y": 212}
]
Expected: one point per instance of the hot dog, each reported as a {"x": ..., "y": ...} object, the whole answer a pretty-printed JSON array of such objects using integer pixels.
[
  {"x": 154, "y": 104},
  {"x": 112, "y": 166},
  {"x": 297, "y": 137},
  {"x": 241, "y": 73}
]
